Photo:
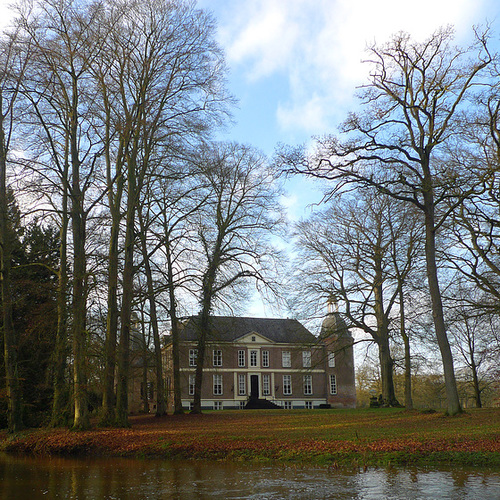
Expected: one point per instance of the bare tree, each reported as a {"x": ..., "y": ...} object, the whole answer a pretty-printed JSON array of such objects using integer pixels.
[
  {"x": 174, "y": 201},
  {"x": 13, "y": 63},
  {"x": 234, "y": 227},
  {"x": 410, "y": 111},
  {"x": 355, "y": 251},
  {"x": 169, "y": 76}
]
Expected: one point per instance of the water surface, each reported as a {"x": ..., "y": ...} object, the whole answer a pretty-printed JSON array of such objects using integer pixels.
[{"x": 50, "y": 478}]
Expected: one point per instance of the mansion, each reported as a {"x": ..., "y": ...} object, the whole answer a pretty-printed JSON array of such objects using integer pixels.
[{"x": 276, "y": 361}]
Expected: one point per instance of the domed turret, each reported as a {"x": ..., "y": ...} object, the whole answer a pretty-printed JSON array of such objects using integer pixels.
[{"x": 333, "y": 325}]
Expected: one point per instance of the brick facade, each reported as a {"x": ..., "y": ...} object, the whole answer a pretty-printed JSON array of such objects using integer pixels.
[{"x": 272, "y": 359}]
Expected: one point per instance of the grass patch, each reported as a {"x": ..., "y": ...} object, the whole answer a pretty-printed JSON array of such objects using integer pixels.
[{"x": 360, "y": 438}]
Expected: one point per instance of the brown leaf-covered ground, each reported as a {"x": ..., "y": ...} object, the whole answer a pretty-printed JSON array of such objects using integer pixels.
[{"x": 333, "y": 437}]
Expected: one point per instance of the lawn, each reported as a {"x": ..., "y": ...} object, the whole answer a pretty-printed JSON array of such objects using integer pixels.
[{"x": 331, "y": 437}]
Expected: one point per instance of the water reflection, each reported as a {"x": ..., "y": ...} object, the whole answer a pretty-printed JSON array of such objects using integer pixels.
[{"x": 51, "y": 478}]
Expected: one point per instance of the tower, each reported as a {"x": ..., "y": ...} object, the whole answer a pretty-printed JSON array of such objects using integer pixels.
[{"x": 339, "y": 343}]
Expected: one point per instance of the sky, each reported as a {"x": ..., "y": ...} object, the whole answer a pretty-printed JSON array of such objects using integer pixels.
[{"x": 294, "y": 65}]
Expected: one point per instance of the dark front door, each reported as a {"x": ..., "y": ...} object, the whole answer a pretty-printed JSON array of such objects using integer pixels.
[{"x": 254, "y": 387}]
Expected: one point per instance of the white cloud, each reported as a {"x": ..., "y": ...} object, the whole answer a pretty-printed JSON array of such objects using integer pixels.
[{"x": 320, "y": 45}]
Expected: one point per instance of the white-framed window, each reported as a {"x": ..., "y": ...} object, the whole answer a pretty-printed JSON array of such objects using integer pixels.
[
  {"x": 306, "y": 359},
  {"x": 217, "y": 384},
  {"x": 309, "y": 405},
  {"x": 287, "y": 405},
  {"x": 287, "y": 385},
  {"x": 217, "y": 357},
  {"x": 286, "y": 359},
  {"x": 331, "y": 360},
  {"x": 308, "y": 385},
  {"x": 266, "y": 385},
  {"x": 242, "y": 405},
  {"x": 191, "y": 384},
  {"x": 253, "y": 358},
  {"x": 333, "y": 384},
  {"x": 265, "y": 359},
  {"x": 242, "y": 389},
  {"x": 241, "y": 358},
  {"x": 193, "y": 354},
  {"x": 217, "y": 405}
]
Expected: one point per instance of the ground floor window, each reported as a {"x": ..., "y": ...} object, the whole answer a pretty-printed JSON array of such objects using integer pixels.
[
  {"x": 191, "y": 384},
  {"x": 191, "y": 406},
  {"x": 287, "y": 405},
  {"x": 309, "y": 405},
  {"x": 333, "y": 384},
  {"x": 218, "y": 385},
  {"x": 242, "y": 385},
  {"x": 217, "y": 405},
  {"x": 266, "y": 385},
  {"x": 287, "y": 385},
  {"x": 308, "y": 387},
  {"x": 242, "y": 405}
]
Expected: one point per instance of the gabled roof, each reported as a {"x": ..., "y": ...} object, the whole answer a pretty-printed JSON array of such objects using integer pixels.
[{"x": 230, "y": 329}]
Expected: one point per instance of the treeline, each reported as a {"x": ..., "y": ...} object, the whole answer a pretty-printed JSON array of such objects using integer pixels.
[{"x": 108, "y": 115}]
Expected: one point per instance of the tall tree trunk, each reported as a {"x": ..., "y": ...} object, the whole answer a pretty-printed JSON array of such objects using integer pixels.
[
  {"x": 204, "y": 325},
  {"x": 81, "y": 420},
  {"x": 382, "y": 337},
  {"x": 172, "y": 311},
  {"x": 14, "y": 398},
  {"x": 387, "y": 372},
  {"x": 108, "y": 397},
  {"x": 176, "y": 363},
  {"x": 145, "y": 367},
  {"x": 453, "y": 400},
  {"x": 108, "y": 400},
  {"x": 121, "y": 418},
  {"x": 60, "y": 398},
  {"x": 161, "y": 406},
  {"x": 406, "y": 341},
  {"x": 80, "y": 389},
  {"x": 475, "y": 383}
]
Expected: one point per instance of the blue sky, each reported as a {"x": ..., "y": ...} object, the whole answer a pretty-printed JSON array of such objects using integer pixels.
[{"x": 294, "y": 64}]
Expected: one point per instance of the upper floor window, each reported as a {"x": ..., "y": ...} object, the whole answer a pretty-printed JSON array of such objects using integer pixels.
[
  {"x": 265, "y": 359},
  {"x": 308, "y": 388},
  {"x": 287, "y": 385},
  {"x": 331, "y": 360},
  {"x": 253, "y": 358},
  {"x": 306, "y": 359},
  {"x": 333, "y": 384},
  {"x": 193, "y": 354},
  {"x": 286, "y": 359},
  {"x": 217, "y": 384},
  {"x": 217, "y": 357},
  {"x": 241, "y": 358}
]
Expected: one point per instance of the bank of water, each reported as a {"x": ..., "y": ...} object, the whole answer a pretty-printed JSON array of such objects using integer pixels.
[{"x": 50, "y": 478}]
